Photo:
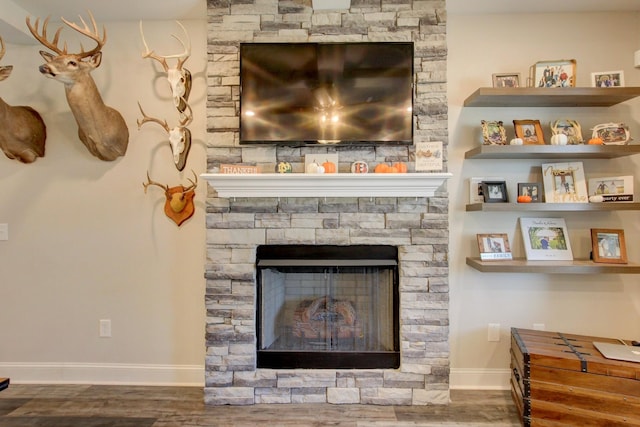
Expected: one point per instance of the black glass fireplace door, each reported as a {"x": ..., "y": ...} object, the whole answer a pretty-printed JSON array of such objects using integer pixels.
[{"x": 336, "y": 311}]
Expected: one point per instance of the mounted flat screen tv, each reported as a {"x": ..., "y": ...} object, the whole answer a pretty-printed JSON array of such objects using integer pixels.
[{"x": 331, "y": 93}]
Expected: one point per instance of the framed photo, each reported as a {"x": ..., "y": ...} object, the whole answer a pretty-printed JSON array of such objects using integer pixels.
[
  {"x": 612, "y": 133},
  {"x": 506, "y": 80},
  {"x": 493, "y": 133},
  {"x": 494, "y": 247},
  {"x": 546, "y": 239},
  {"x": 607, "y": 79},
  {"x": 494, "y": 191},
  {"x": 571, "y": 128},
  {"x": 611, "y": 189},
  {"x": 530, "y": 131},
  {"x": 560, "y": 73},
  {"x": 608, "y": 246},
  {"x": 564, "y": 183},
  {"x": 531, "y": 189},
  {"x": 476, "y": 195}
]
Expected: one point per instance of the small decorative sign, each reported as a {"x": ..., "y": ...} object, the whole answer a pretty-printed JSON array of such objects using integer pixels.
[
  {"x": 428, "y": 156},
  {"x": 238, "y": 169}
]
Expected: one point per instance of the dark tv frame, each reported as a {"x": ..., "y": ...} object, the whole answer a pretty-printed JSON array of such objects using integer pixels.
[{"x": 359, "y": 142}]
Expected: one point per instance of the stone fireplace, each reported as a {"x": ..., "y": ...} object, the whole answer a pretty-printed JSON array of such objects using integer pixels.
[{"x": 239, "y": 223}]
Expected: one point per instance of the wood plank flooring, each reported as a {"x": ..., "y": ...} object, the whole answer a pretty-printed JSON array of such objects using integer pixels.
[{"x": 127, "y": 406}]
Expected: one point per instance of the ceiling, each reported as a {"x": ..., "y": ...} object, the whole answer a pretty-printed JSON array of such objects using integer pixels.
[{"x": 14, "y": 12}]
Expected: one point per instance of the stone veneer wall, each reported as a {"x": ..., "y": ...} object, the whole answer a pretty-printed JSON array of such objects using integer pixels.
[{"x": 236, "y": 226}]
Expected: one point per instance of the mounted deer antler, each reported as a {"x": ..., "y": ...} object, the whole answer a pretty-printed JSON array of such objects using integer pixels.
[
  {"x": 179, "y": 136},
  {"x": 179, "y": 78},
  {"x": 22, "y": 130},
  {"x": 100, "y": 128},
  {"x": 178, "y": 205}
]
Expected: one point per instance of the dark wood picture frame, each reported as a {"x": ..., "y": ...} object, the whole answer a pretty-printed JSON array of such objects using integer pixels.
[
  {"x": 532, "y": 189},
  {"x": 494, "y": 191},
  {"x": 530, "y": 131},
  {"x": 608, "y": 246}
]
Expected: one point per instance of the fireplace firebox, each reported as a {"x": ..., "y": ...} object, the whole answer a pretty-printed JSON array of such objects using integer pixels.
[{"x": 327, "y": 307}]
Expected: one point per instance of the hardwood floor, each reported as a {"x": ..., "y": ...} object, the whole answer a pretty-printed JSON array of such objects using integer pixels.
[{"x": 126, "y": 406}]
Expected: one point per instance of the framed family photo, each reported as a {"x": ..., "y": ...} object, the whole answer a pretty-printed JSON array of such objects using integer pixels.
[
  {"x": 546, "y": 239},
  {"x": 607, "y": 79},
  {"x": 493, "y": 133},
  {"x": 494, "y": 191},
  {"x": 611, "y": 189},
  {"x": 494, "y": 247},
  {"x": 560, "y": 73},
  {"x": 531, "y": 189},
  {"x": 506, "y": 80},
  {"x": 530, "y": 131},
  {"x": 568, "y": 127},
  {"x": 608, "y": 246},
  {"x": 476, "y": 195},
  {"x": 564, "y": 183}
]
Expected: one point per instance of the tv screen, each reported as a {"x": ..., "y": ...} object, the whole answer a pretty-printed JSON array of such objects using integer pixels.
[{"x": 337, "y": 93}]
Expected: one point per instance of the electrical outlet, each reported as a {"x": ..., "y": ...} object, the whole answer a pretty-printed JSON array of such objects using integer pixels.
[
  {"x": 493, "y": 332},
  {"x": 539, "y": 327},
  {"x": 105, "y": 328}
]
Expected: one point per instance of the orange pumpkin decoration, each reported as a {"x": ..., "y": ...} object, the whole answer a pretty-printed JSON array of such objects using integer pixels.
[
  {"x": 329, "y": 167},
  {"x": 401, "y": 167},
  {"x": 524, "y": 199},
  {"x": 381, "y": 168},
  {"x": 595, "y": 141}
]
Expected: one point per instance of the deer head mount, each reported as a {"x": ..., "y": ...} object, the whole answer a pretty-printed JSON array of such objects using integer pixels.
[
  {"x": 179, "y": 78},
  {"x": 22, "y": 130},
  {"x": 100, "y": 128},
  {"x": 179, "y": 136},
  {"x": 178, "y": 205}
]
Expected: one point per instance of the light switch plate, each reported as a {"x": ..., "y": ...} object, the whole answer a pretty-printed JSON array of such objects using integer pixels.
[{"x": 4, "y": 231}]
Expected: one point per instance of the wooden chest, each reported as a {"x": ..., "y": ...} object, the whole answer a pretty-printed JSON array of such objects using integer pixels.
[{"x": 562, "y": 379}]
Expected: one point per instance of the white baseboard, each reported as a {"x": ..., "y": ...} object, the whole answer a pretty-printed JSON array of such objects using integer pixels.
[
  {"x": 103, "y": 373},
  {"x": 479, "y": 379},
  {"x": 189, "y": 375}
]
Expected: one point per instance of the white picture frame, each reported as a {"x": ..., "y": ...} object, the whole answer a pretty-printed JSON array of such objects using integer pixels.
[
  {"x": 564, "y": 183},
  {"x": 475, "y": 188},
  {"x": 546, "y": 239},
  {"x": 607, "y": 79},
  {"x": 611, "y": 189}
]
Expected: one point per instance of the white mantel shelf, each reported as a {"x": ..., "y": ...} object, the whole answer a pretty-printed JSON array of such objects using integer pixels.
[{"x": 326, "y": 185}]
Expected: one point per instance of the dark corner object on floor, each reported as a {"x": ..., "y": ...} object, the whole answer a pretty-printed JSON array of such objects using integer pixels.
[{"x": 4, "y": 383}]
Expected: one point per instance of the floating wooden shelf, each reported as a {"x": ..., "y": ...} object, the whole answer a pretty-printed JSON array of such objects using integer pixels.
[
  {"x": 577, "y": 266},
  {"x": 552, "y": 207},
  {"x": 550, "y": 97},
  {"x": 576, "y": 152}
]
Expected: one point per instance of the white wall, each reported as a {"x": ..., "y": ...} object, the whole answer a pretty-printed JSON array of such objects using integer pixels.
[
  {"x": 86, "y": 243},
  {"x": 606, "y": 305}
]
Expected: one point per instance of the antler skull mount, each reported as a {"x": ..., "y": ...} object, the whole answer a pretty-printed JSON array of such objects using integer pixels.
[{"x": 178, "y": 205}]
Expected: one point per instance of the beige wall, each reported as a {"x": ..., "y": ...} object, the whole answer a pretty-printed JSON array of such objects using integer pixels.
[
  {"x": 595, "y": 305},
  {"x": 86, "y": 243}
]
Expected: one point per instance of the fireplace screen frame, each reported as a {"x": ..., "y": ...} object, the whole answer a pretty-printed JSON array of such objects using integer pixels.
[{"x": 329, "y": 257}]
